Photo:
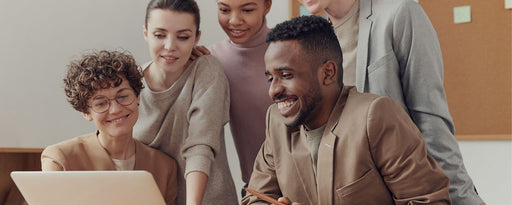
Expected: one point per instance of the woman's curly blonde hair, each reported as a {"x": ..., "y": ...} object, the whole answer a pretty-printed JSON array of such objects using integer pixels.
[{"x": 99, "y": 70}]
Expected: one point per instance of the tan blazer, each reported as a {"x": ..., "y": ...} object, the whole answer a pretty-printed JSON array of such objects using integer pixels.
[
  {"x": 370, "y": 153},
  {"x": 85, "y": 153}
]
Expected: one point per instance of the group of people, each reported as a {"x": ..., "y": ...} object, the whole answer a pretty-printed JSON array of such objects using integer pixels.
[{"x": 297, "y": 98}]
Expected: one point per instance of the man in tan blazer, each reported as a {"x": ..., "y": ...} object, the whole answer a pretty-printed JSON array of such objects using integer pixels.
[{"x": 328, "y": 144}]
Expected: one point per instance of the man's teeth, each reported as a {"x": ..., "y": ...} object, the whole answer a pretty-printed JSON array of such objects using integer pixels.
[
  {"x": 284, "y": 104},
  {"x": 237, "y": 31}
]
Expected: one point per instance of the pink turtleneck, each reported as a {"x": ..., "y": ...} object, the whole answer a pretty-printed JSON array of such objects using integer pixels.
[{"x": 244, "y": 67}]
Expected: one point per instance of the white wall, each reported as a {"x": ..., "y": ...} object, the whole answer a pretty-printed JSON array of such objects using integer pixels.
[
  {"x": 489, "y": 163},
  {"x": 37, "y": 40}
]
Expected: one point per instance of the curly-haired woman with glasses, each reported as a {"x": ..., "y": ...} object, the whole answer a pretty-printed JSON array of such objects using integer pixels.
[{"x": 105, "y": 87}]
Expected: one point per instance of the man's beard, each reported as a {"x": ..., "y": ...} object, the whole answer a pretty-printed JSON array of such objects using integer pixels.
[{"x": 306, "y": 114}]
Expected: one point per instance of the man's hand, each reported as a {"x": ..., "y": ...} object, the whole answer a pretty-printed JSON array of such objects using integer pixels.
[
  {"x": 199, "y": 51},
  {"x": 287, "y": 201}
]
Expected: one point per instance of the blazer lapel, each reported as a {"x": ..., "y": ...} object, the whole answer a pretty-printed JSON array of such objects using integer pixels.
[
  {"x": 325, "y": 168},
  {"x": 304, "y": 168},
  {"x": 102, "y": 160},
  {"x": 141, "y": 157},
  {"x": 326, "y": 151},
  {"x": 365, "y": 25}
]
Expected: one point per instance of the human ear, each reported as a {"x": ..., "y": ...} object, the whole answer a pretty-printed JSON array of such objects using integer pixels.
[
  {"x": 198, "y": 36},
  {"x": 145, "y": 31},
  {"x": 87, "y": 116},
  {"x": 329, "y": 73},
  {"x": 268, "y": 4}
]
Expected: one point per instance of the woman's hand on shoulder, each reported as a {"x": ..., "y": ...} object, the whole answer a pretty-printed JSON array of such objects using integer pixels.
[{"x": 199, "y": 51}]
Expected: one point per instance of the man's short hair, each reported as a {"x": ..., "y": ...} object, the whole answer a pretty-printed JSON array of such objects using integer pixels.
[{"x": 316, "y": 37}]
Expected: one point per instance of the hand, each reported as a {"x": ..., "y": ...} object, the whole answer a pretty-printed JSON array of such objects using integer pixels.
[
  {"x": 287, "y": 201},
  {"x": 199, "y": 51}
]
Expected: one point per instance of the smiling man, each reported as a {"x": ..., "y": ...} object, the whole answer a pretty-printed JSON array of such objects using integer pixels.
[{"x": 328, "y": 144}]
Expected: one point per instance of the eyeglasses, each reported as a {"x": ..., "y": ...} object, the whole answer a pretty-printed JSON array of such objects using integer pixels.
[{"x": 101, "y": 103}]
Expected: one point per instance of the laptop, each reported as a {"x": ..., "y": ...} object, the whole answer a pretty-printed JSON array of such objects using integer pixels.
[{"x": 88, "y": 187}]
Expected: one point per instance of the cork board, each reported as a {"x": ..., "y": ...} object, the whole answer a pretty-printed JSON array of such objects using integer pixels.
[{"x": 477, "y": 64}]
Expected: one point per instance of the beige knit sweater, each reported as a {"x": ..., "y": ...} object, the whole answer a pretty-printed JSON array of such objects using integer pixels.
[{"x": 187, "y": 122}]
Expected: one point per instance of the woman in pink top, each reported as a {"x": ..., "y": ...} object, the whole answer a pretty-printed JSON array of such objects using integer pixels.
[{"x": 241, "y": 56}]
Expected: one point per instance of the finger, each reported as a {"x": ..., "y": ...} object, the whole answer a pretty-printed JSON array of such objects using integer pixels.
[
  {"x": 204, "y": 50},
  {"x": 284, "y": 200},
  {"x": 196, "y": 53}
]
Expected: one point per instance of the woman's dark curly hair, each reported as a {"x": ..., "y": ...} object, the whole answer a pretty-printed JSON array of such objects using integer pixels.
[{"x": 99, "y": 70}]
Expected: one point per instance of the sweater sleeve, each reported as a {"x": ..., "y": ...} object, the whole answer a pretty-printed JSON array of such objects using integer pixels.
[
  {"x": 264, "y": 177},
  {"x": 421, "y": 69},
  {"x": 208, "y": 113},
  {"x": 51, "y": 159}
]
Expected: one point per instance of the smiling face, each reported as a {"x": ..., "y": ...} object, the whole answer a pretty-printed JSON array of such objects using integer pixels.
[
  {"x": 241, "y": 19},
  {"x": 118, "y": 120},
  {"x": 294, "y": 85},
  {"x": 171, "y": 36}
]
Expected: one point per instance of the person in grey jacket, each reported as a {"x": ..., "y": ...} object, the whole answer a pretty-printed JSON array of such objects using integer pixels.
[{"x": 390, "y": 48}]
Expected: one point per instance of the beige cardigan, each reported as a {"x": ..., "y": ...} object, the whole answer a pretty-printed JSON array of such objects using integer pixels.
[
  {"x": 187, "y": 122},
  {"x": 86, "y": 153}
]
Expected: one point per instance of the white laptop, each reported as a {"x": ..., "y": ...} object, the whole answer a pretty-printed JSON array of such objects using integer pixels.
[{"x": 88, "y": 187}]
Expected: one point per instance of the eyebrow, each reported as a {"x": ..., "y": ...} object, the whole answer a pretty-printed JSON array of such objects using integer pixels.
[
  {"x": 243, "y": 5},
  {"x": 249, "y": 4},
  {"x": 279, "y": 69},
  {"x": 179, "y": 31},
  {"x": 282, "y": 68},
  {"x": 184, "y": 30},
  {"x": 117, "y": 93},
  {"x": 160, "y": 29},
  {"x": 123, "y": 89}
]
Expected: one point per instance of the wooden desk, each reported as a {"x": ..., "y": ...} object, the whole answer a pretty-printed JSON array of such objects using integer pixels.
[{"x": 16, "y": 159}]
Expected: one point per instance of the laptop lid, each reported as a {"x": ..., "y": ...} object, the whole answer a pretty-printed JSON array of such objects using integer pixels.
[{"x": 88, "y": 187}]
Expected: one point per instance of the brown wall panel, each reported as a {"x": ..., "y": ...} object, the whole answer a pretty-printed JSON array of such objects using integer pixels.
[{"x": 16, "y": 160}]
